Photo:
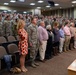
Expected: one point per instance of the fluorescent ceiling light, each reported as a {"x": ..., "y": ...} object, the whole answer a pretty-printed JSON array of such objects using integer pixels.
[
  {"x": 13, "y": 1},
  {"x": 73, "y": 1},
  {"x": 4, "y": 11},
  {"x": 32, "y": 3},
  {"x": 24, "y": 12},
  {"x": 56, "y": 4},
  {"x": 14, "y": 10},
  {"x": 6, "y": 3},
  {"x": 47, "y": 6},
  {"x": 9, "y": 10},
  {"x": 21, "y": 0},
  {"x": 40, "y": 1},
  {"x": 38, "y": 7}
]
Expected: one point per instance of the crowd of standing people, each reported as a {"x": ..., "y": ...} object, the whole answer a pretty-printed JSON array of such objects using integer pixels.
[{"x": 48, "y": 35}]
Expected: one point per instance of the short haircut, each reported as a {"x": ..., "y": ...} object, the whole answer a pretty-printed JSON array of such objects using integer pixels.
[
  {"x": 48, "y": 26},
  {"x": 66, "y": 22},
  {"x": 41, "y": 21},
  {"x": 71, "y": 23},
  {"x": 32, "y": 18}
]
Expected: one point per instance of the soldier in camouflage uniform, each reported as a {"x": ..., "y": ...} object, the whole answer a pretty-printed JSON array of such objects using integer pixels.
[
  {"x": 7, "y": 26},
  {"x": 33, "y": 41},
  {"x": 1, "y": 24},
  {"x": 14, "y": 27},
  {"x": 47, "y": 21}
]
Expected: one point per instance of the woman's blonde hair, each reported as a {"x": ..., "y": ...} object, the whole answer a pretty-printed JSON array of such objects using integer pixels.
[{"x": 19, "y": 24}]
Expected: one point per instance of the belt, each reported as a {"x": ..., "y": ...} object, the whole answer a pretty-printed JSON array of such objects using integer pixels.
[
  {"x": 62, "y": 37},
  {"x": 67, "y": 35}
]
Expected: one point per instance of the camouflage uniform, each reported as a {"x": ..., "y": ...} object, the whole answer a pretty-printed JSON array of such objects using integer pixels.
[
  {"x": 7, "y": 28},
  {"x": 33, "y": 38},
  {"x": 48, "y": 22},
  {"x": 14, "y": 28},
  {"x": 1, "y": 30}
]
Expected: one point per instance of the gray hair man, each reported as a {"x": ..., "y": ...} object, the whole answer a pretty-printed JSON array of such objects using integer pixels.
[{"x": 43, "y": 37}]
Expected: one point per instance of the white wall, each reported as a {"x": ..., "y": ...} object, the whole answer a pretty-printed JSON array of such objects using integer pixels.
[
  {"x": 75, "y": 12},
  {"x": 67, "y": 13},
  {"x": 38, "y": 11},
  {"x": 34, "y": 11},
  {"x": 13, "y": 8}
]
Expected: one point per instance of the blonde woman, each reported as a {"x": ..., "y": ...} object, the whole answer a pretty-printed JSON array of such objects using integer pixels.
[{"x": 23, "y": 44}]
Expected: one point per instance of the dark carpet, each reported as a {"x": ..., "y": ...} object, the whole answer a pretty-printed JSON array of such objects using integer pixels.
[{"x": 55, "y": 66}]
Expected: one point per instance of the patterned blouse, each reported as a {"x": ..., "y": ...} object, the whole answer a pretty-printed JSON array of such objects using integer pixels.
[{"x": 23, "y": 43}]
